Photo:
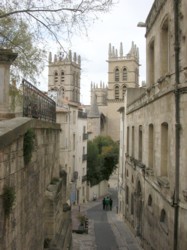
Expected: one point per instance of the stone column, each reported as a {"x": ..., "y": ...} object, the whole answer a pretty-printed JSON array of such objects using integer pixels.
[{"x": 6, "y": 59}]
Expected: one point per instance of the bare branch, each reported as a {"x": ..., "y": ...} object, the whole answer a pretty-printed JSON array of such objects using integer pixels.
[{"x": 47, "y": 27}]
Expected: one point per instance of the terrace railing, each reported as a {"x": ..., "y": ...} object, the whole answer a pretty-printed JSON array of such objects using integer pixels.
[{"x": 36, "y": 104}]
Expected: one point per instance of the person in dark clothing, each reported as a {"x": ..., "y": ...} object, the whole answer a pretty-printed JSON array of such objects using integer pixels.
[
  {"x": 107, "y": 203},
  {"x": 104, "y": 203},
  {"x": 111, "y": 202}
]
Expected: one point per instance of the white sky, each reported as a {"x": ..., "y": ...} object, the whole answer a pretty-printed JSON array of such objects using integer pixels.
[{"x": 119, "y": 25}]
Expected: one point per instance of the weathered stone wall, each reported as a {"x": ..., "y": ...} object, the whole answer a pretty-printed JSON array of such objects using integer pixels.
[
  {"x": 99, "y": 190},
  {"x": 26, "y": 226}
]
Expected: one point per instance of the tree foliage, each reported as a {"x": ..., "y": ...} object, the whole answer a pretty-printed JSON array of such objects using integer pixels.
[
  {"x": 15, "y": 35},
  {"x": 102, "y": 159}
]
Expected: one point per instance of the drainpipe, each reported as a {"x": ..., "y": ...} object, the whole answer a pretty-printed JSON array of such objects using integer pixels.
[{"x": 177, "y": 123}]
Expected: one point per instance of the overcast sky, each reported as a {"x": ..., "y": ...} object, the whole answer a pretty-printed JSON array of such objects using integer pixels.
[{"x": 119, "y": 25}]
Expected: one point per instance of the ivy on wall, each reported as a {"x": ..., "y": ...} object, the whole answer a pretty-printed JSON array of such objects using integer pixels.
[
  {"x": 9, "y": 197},
  {"x": 28, "y": 145}
]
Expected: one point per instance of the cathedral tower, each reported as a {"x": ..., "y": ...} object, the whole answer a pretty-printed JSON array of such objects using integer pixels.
[
  {"x": 64, "y": 76},
  {"x": 123, "y": 71}
]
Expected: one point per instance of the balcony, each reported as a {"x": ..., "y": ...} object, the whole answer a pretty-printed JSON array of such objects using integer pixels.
[
  {"x": 85, "y": 136},
  {"x": 84, "y": 157},
  {"x": 74, "y": 176},
  {"x": 82, "y": 114},
  {"x": 84, "y": 178}
]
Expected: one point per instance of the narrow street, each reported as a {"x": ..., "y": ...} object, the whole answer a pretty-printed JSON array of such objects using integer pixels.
[
  {"x": 104, "y": 236},
  {"x": 107, "y": 231}
]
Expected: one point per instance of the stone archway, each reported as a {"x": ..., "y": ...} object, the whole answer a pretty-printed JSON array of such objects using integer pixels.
[{"x": 138, "y": 201}]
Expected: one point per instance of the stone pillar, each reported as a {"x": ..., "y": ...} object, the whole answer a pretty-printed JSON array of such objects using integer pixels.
[{"x": 6, "y": 59}]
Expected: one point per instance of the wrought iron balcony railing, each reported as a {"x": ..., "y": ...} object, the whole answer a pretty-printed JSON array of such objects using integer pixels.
[
  {"x": 84, "y": 178},
  {"x": 36, "y": 104},
  {"x": 82, "y": 114},
  {"x": 85, "y": 136},
  {"x": 84, "y": 157}
]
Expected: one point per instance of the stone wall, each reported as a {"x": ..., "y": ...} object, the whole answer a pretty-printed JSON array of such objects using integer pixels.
[
  {"x": 99, "y": 190},
  {"x": 34, "y": 181}
]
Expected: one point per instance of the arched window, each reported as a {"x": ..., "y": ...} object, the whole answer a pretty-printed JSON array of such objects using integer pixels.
[
  {"x": 77, "y": 79},
  {"x": 132, "y": 179},
  {"x": 116, "y": 92},
  {"x": 150, "y": 201},
  {"x": 163, "y": 217},
  {"x": 151, "y": 62},
  {"x": 136, "y": 75},
  {"x": 164, "y": 221},
  {"x": 132, "y": 204},
  {"x": 132, "y": 144},
  {"x": 151, "y": 146},
  {"x": 124, "y": 74},
  {"x": 140, "y": 143},
  {"x": 164, "y": 149},
  {"x": 116, "y": 75},
  {"x": 74, "y": 79},
  {"x": 62, "y": 92},
  {"x": 124, "y": 89},
  {"x": 164, "y": 48},
  {"x": 127, "y": 195},
  {"x": 127, "y": 148},
  {"x": 62, "y": 76},
  {"x": 56, "y": 78}
]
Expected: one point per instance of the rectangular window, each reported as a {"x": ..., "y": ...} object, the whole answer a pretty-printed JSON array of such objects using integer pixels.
[
  {"x": 140, "y": 143},
  {"x": 73, "y": 141},
  {"x": 127, "y": 151},
  {"x": 164, "y": 149},
  {"x": 133, "y": 141},
  {"x": 74, "y": 117},
  {"x": 151, "y": 146},
  {"x": 127, "y": 195}
]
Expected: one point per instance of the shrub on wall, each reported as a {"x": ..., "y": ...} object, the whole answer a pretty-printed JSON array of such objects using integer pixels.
[
  {"x": 9, "y": 196},
  {"x": 28, "y": 145}
]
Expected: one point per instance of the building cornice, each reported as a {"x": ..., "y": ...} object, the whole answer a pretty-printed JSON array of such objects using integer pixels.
[{"x": 154, "y": 12}]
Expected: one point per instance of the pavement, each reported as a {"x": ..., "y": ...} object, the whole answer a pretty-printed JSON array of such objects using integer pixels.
[{"x": 124, "y": 237}]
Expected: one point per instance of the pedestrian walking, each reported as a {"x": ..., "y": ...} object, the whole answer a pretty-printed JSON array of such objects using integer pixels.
[
  {"x": 107, "y": 200},
  {"x": 104, "y": 203},
  {"x": 111, "y": 202}
]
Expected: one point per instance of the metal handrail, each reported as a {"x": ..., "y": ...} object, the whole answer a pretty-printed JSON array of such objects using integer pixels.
[{"x": 36, "y": 104}]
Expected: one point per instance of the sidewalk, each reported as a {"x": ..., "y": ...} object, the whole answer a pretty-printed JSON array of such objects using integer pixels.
[
  {"x": 124, "y": 237},
  {"x": 83, "y": 241}
]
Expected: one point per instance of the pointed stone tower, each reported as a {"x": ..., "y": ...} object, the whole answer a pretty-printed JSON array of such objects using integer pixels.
[
  {"x": 64, "y": 75},
  {"x": 123, "y": 72}
]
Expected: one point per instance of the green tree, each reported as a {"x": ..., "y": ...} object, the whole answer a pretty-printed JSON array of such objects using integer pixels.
[
  {"x": 92, "y": 163},
  {"x": 103, "y": 155},
  {"x": 15, "y": 35}
]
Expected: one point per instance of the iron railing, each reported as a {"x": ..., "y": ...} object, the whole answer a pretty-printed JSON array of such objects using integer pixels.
[
  {"x": 85, "y": 136},
  {"x": 82, "y": 114},
  {"x": 36, "y": 104},
  {"x": 84, "y": 178},
  {"x": 84, "y": 157}
]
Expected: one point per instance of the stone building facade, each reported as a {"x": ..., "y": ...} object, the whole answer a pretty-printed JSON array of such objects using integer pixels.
[
  {"x": 152, "y": 173},
  {"x": 34, "y": 212},
  {"x": 64, "y": 88},
  {"x": 35, "y": 219}
]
